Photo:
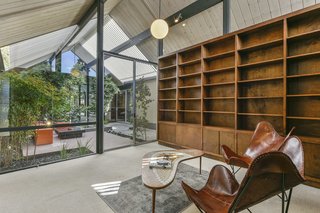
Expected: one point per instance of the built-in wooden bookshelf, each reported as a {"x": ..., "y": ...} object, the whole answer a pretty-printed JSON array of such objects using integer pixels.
[
  {"x": 167, "y": 89},
  {"x": 216, "y": 92},
  {"x": 189, "y": 87}
]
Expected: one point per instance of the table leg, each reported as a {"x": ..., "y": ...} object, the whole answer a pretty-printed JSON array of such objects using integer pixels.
[
  {"x": 153, "y": 200},
  {"x": 200, "y": 164}
]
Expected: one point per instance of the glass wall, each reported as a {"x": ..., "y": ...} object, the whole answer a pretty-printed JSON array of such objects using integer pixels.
[{"x": 46, "y": 116}]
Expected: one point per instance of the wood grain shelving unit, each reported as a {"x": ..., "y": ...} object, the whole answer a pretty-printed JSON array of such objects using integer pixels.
[
  {"x": 215, "y": 93},
  {"x": 167, "y": 88}
]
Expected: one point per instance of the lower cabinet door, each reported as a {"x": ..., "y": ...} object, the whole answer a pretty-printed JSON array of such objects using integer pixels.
[{"x": 189, "y": 135}]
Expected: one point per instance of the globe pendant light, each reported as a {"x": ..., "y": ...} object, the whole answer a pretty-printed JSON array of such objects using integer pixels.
[
  {"x": 159, "y": 27},
  {"x": 75, "y": 72}
]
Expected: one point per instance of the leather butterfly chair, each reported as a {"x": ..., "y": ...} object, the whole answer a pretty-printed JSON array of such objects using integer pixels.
[
  {"x": 269, "y": 174},
  {"x": 264, "y": 139}
]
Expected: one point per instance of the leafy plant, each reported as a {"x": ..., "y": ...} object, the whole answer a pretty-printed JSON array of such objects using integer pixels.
[
  {"x": 84, "y": 149},
  {"x": 110, "y": 90},
  {"x": 64, "y": 151},
  {"x": 143, "y": 99},
  {"x": 37, "y": 94}
]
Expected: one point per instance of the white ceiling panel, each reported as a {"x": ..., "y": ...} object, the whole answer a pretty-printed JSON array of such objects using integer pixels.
[
  {"x": 21, "y": 20},
  {"x": 31, "y": 50}
]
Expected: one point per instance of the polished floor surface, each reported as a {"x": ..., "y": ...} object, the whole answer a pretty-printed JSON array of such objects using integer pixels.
[{"x": 67, "y": 186}]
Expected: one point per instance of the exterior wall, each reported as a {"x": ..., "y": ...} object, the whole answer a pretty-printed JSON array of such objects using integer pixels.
[{"x": 152, "y": 109}]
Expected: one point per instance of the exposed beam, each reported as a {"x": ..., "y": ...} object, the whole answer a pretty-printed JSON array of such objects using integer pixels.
[
  {"x": 226, "y": 16},
  {"x": 187, "y": 12},
  {"x": 81, "y": 24},
  {"x": 160, "y": 47},
  {"x": 129, "y": 58}
]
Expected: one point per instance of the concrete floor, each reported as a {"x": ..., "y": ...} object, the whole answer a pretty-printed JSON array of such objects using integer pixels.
[{"x": 66, "y": 186}]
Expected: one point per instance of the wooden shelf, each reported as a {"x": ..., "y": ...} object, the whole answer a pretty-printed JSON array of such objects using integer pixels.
[
  {"x": 193, "y": 86},
  {"x": 303, "y": 75},
  {"x": 260, "y": 97},
  {"x": 217, "y": 98},
  {"x": 262, "y": 45},
  {"x": 303, "y": 95},
  {"x": 261, "y": 79},
  {"x": 186, "y": 110},
  {"x": 220, "y": 70},
  {"x": 167, "y": 67},
  {"x": 220, "y": 55},
  {"x": 219, "y": 112},
  {"x": 165, "y": 89},
  {"x": 190, "y": 75},
  {"x": 260, "y": 63},
  {"x": 167, "y": 110},
  {"x": 167, "y": 78},
  {"x": 261, "y": 114},
  {"x": 195, "y": 61},
  {"x": 166, "y": 122},
  {"x": 304, "y": 55},
  {"x": 168, "y": 99},
  {"x": 218, "y": 84},
  {"x": 303, "y": 35},
  {"x": 189, "y": 99},
  {"x": 303, "y": 118}
]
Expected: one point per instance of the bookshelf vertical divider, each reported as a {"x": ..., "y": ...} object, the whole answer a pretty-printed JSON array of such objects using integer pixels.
[
  {"x": 285, "y": 53},
  {"x": 215, "y": 93},
  {"x": 237, "y": 58}
]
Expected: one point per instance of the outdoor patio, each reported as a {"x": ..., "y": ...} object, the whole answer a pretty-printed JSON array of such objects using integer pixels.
[
  {"x": 111, "y": 141},
  {"x": 116, "y": 135}
]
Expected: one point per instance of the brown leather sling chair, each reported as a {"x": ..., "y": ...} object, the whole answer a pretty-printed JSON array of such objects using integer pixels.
[
  {"x": 265, "y": 139},
  {"x": 269, "y": 174}
]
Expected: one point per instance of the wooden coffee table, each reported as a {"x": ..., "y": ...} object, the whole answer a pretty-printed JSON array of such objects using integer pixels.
[{"x": 159, "y": 178}]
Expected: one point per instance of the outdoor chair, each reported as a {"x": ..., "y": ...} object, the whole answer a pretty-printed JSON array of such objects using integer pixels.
[
  {"x": 265, "y": 139},
  {"x": 269, "y": 174}
]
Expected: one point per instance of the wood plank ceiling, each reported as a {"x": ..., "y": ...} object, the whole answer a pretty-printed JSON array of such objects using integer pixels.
[
  {"x": 20, "y": 20},
  {"x": 36, "y": 29},
  {"x": 135, "y": 16}
]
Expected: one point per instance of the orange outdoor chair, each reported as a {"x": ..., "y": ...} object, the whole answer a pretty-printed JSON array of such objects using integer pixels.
[
  {"x": 268, "y": 175},
  {"x": 265, "y": 139}
]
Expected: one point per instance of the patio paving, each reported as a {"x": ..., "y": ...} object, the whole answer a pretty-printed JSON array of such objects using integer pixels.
[
  {"x": 111, "y": 141},
  {"x": 125, "y": 129}
]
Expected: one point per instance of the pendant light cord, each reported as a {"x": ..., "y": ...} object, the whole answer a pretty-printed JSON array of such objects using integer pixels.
[{"x": 159, "y": 9}]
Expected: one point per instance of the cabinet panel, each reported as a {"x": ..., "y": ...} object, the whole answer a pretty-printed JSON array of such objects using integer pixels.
[
  {"x": 227, "y": 138},
  {"x": 243, "y": 141},
  {"x": 312, "y": 159},
  {"x": 167, "y": 132},
  {"x": 211, "y": 140},
  {"x": 189, "y": 135}
]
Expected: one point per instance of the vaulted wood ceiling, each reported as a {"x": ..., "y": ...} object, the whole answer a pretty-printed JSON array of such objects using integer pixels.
[
  {"x": 20, "y": 21},
  {"x": 135, "y": 16}
]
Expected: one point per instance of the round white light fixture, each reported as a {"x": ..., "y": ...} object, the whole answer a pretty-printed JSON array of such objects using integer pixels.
[
  {"x": 159, "y": 28},
  {"x": 75, "y": 72}
]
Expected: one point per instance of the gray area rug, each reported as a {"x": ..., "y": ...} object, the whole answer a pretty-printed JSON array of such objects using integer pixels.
[{"x": 134, "y": 197}]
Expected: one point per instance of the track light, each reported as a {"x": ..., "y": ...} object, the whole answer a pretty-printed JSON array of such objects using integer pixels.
[{"x": 178, "y": 18}]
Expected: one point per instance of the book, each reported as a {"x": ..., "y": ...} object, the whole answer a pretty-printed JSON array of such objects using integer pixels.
[{"x": 160, "y": 163}]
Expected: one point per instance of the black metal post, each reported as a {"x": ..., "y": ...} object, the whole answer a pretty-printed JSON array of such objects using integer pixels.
[
  {"x": 134, "y": 105},
  {"x": 1, "y": 62},
  {"x": 79, "y": 102},
  {"x": 226, "y": 16},
  {"x": 58, "y": 63},
  {"x": 88, "y": 91},
  {"x": 100, "y": 78}
]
